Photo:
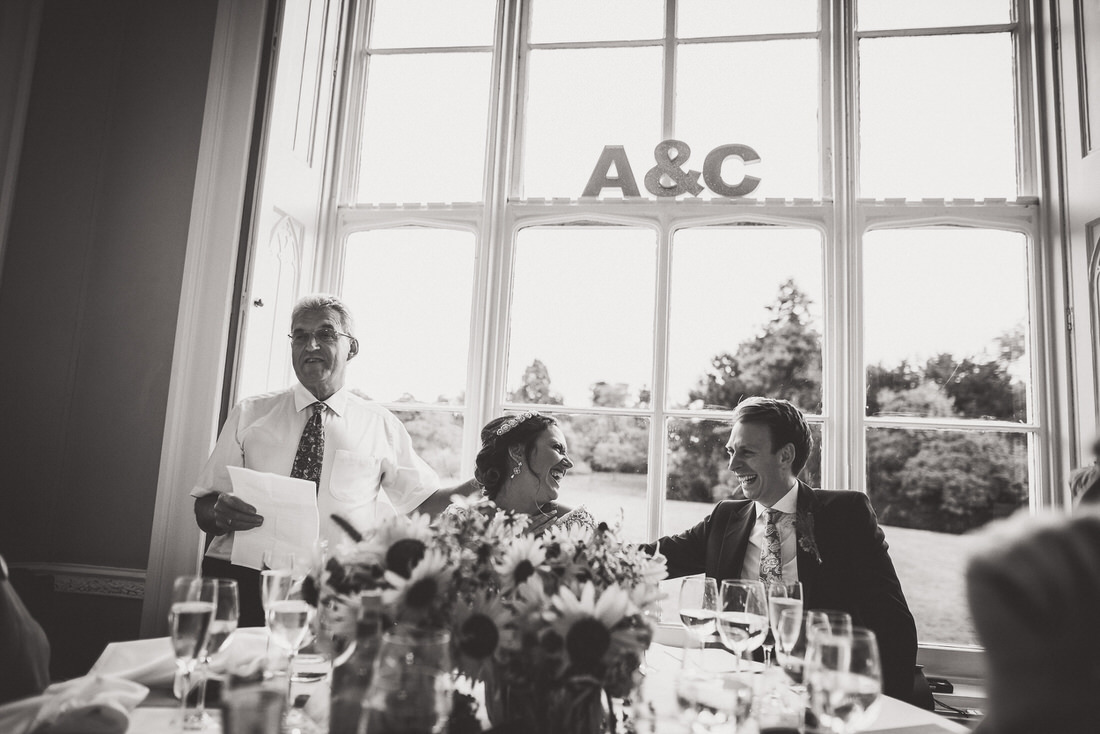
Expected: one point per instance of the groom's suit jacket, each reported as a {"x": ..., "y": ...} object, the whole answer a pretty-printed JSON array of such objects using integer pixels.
[{"x": 851, "y": 570}]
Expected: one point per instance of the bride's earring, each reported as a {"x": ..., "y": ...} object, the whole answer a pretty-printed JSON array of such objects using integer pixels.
[{"x": 516, "y": 470}]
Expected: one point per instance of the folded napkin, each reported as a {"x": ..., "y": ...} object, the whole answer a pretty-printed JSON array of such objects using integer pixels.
[
  {"x": 93, "y": 704},
  {"x": 150, "y": 662},
  {"x": 153, "y": 662}
]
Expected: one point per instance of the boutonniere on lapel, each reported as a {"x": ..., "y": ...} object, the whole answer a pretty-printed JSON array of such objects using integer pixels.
[{"x": 804, "y": 529}]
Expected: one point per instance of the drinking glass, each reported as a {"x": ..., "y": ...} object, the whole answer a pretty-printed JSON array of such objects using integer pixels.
[
  {"x": 413, "y": 684},
  {"x": 698, "y": 605},
  {"x": 813, "y": 621},
  {"x": 742, "y": 616},
  {"x": 222, "y": 626},
  {"x": 189, "y": 623},
  {"x": 288, "y": 622},
  {"x": 713, "y": 702},
  {"x": 781, "y": 595},
  {"x": 830, "y": 621},
  {"x": 844, "y": 680}
]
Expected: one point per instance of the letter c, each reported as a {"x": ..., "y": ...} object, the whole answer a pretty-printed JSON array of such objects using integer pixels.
[{"x": 712, "y": 170}]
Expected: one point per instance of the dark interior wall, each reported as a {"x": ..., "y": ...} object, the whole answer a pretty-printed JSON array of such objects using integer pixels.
[{"x": 91, "y": 280}]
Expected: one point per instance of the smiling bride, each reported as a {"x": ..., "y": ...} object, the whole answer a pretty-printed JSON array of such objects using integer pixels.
[{"x": 522, "y": 460}]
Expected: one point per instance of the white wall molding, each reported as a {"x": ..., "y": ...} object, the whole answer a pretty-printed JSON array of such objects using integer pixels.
[
  {"x": 202, "y": 326},
  {"x": 76, "y": 578}
]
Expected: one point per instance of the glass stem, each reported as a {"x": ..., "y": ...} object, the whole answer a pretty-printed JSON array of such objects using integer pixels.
[
  {"x": 289, "y": 679},
  {"x": 186, "y": 678},
  {"x": 200, "y": 704}
]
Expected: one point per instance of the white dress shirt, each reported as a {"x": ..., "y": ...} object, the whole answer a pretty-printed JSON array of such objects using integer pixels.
[
  {"x": 788, "y": 542},
  {"x": 366, "y": 449}
]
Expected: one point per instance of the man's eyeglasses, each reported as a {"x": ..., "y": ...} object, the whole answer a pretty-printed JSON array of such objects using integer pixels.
[{"x": 324, "y": 335}]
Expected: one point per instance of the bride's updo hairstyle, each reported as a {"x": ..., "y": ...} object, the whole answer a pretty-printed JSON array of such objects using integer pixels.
[{"x": 494, "y": 464}]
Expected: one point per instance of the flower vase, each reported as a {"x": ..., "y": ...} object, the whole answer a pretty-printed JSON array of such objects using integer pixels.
[{"x": 575, "y": 707}]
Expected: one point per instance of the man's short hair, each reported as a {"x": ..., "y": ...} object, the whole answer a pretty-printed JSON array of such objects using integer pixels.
[
  {"x": 325, "y": 302},
  {"x": 785, "y": 422}
]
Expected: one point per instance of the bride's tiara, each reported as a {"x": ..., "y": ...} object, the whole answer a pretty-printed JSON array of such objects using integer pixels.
[{"x": 515, "y": 421}]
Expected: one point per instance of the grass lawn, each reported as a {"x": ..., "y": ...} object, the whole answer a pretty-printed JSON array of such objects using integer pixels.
[{"x": 930, "y": 565}]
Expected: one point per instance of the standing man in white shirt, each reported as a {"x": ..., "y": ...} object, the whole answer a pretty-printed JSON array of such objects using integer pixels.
[{"x": 317, "y": 430}]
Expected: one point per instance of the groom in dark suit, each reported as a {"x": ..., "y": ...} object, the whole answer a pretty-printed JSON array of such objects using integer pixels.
[{"x": 827, "y": 539}]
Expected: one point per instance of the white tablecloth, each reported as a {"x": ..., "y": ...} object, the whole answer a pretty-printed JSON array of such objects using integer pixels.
[{"x": 894, "y": 717}]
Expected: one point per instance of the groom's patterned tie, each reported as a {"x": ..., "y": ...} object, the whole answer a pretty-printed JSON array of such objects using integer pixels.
[
  {"x": 311, "y": 448},
  {"x": 771, "y": 562}
]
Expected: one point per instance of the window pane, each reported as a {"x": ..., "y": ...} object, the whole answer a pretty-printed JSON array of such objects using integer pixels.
[
  {"x": 437, "y": 438},
  {"x": 698, "y": 470},
  {"x": 424, "y": 23},
  {"x": 427, "y": 146},
  {"x": 746, "y": 316},
  {"x": 582, "y": 314},
  {"x": 937, "y": 117},
  {"x": 929, "y": 488},
  {"x": 884, "y": 14},
  {"x": 578, "y": 101},
  {"x": 410, "y": 290},
  {"x": 611, "y": 458},
  {"x": 703, "y": 18},
  {"x": 768, "y": 101},
  {"x": 607, "y": 20},
  {"x": 946, "y": 332}
]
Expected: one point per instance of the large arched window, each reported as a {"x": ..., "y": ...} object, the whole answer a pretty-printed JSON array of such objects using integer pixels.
[{"x": 883, "y": 273}]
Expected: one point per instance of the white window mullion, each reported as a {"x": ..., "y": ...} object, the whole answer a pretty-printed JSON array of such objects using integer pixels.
[{"x": 657, "y": 483}]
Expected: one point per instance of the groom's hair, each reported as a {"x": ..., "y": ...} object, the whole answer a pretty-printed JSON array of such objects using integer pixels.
[{"x": 785, "y": 422}]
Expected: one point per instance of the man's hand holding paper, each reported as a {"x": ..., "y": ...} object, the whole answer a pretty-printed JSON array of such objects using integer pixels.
[{"x": 289, "y": 519}]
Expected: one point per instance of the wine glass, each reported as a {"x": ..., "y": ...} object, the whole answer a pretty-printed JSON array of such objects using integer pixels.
[
  {"x": 222, "y": 626},
  {"x": 830, "y": 621},
  {"x": 193, "y": 604},
  {"x": 275, "y": 581},
  {"x": 781, "y": 595},
  {"x": 698, "y": 604},
  {"x": 844, "y": 680},
  {"x": 288, "y": 625},
  {"x": 812, "y": 622},
  {"x": 742, "y": 616}
]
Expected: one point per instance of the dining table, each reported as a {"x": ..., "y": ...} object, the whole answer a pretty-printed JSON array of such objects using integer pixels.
[{"x": 663, "y": 663}]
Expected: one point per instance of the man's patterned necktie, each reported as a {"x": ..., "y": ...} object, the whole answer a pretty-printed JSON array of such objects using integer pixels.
[
  {"x": 311, "y": 448},
  {"x": 771, "y": 562}
]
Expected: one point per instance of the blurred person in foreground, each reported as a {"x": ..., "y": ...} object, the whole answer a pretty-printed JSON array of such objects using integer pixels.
[
  {"x": 829, "y": 540},
  {"x": 319, "y": 430},
  {"x": 24, "y": 649},
  {"x": 1034, "y": 590},
  {"x": 1084, "y": 484},
  {"x": 520, "y": 466}
]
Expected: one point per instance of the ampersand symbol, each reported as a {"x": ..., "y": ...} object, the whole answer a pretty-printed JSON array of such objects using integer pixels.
[{"x": 683, "y": 182}]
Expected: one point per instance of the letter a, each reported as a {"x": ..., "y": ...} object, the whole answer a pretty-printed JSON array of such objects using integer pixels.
[{"x": 600, "y": 178}]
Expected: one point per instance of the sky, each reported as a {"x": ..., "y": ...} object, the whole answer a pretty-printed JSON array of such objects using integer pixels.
[{"x": 936, "y": 120}]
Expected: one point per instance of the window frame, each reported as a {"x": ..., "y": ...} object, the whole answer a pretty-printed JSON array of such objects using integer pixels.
[{"x": 840, "y": 214}]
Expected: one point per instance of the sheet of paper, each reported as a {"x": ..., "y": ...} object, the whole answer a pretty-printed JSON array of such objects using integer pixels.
[{"x": 289, "y": 509}]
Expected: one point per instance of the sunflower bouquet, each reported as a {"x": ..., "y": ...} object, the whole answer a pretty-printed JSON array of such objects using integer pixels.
[{"x": 551, "y": 623}]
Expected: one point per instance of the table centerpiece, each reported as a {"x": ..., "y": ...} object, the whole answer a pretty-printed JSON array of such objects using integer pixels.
[{"x": 554, "y": 625}]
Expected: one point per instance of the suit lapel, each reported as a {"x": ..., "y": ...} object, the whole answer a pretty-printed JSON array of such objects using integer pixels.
[
  {"x": 736, "y": 540},
  {"x": 808, "y": 566}
]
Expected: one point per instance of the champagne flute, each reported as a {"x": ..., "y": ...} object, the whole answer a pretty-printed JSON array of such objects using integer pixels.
[
  {"x": 698, "y": 604},
  {"x": 193, "y": 604},
  {"x": 781, "y": 595},
  {"x": 742, "y": 616},
  {"x": 222, "y": 626},
  {"x": 288, "y": 622},
  {"x": 844, "y": 680},
  {"x": 275, "y": 581}
]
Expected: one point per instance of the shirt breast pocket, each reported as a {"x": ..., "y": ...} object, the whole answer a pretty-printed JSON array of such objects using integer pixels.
[{"x": 355, "y": 477}]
